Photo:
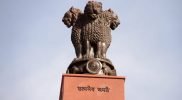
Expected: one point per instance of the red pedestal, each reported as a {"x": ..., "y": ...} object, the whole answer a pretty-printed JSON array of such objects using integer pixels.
[{"x": 91, "y": 87}]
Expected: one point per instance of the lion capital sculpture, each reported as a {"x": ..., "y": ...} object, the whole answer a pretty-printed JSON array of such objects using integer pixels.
[{"x": 91, "y": 36}]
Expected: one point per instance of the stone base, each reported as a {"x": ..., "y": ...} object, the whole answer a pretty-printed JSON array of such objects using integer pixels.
[
  {"x": 99, "y": 66},
  {"x": 91, "y": 87}
]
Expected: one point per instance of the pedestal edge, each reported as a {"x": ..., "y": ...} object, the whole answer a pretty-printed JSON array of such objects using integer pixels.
[{"x": 93, "y": 76}]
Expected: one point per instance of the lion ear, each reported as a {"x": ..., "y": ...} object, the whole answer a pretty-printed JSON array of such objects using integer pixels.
[
  {"x": 72, "y": 8},
  {"x": 110, "y": 10},
  {"x": 90, "y": 1}
]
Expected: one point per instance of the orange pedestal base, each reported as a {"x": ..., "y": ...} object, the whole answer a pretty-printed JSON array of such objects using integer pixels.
[{"x": 91, "y": 87}]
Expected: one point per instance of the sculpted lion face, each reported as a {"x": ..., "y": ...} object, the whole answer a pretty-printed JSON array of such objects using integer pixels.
[
  {"x": 93, "y": 8},
  {"x": 71, "y": 16}
]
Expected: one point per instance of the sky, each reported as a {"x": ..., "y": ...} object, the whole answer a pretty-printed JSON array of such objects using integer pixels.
[{"x": 36, "y": 49}]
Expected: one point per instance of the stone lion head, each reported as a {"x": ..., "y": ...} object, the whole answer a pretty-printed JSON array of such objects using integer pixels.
[
  {"x": 114, "y": 20},
  {"x": 93, "y": 8},
  {"x": 71, "y": 16}
]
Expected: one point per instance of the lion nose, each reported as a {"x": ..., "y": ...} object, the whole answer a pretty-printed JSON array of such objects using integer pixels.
[{"x": 95, "y": 11}]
